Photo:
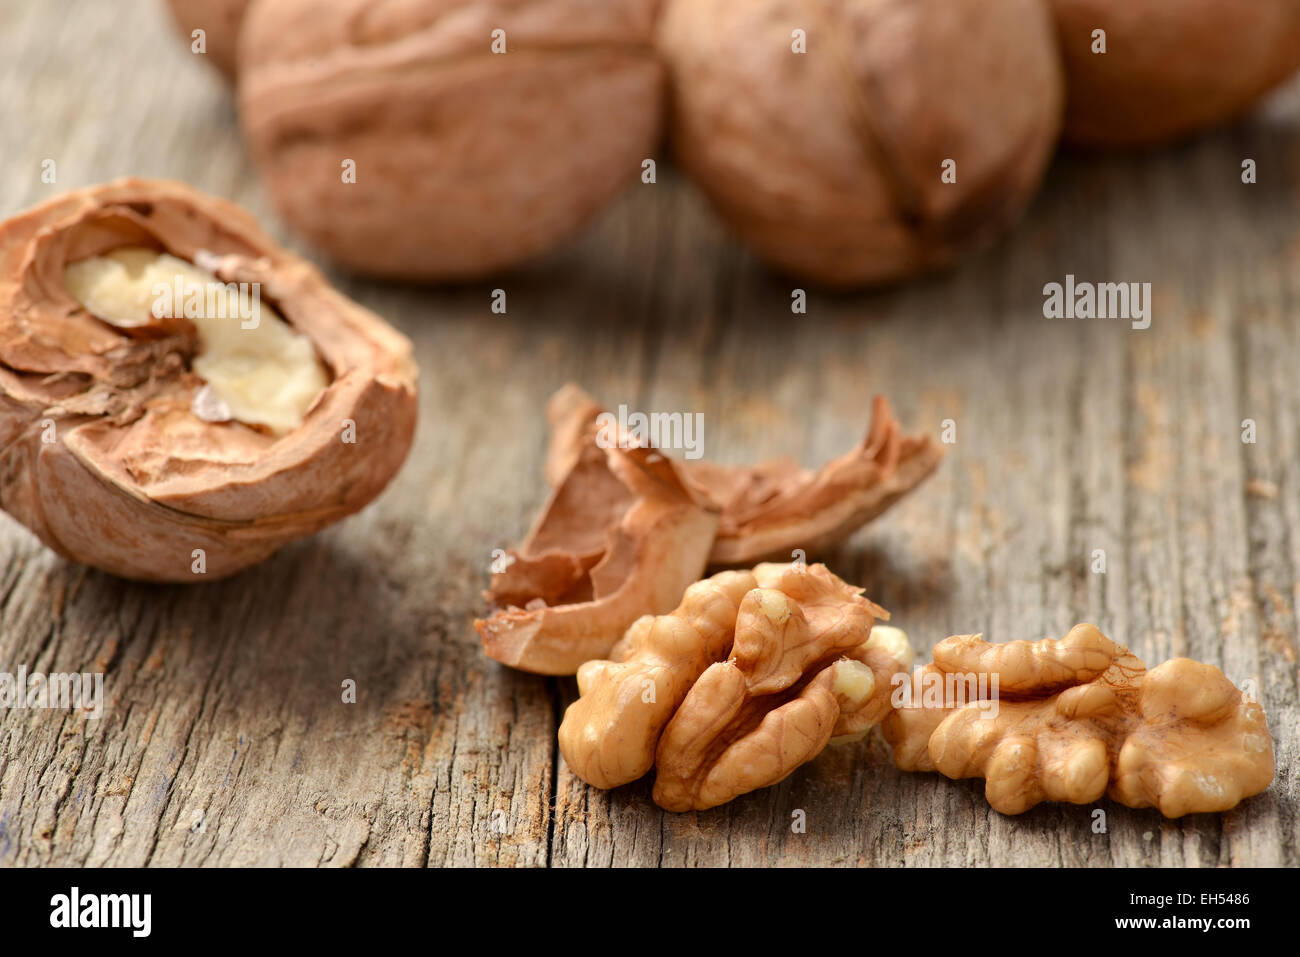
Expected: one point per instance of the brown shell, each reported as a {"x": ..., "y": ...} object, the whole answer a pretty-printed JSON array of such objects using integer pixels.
[
  {"x": 621, "y": 536},
  {"x": 99, "y": 453},
  {"x": 466, "y": 161},
  {"x": 219, "y": 19},
  {"x": 828, "y": 162},
  {"x": 772, "y": 508},
  {"x": 1170, "y": 68}
]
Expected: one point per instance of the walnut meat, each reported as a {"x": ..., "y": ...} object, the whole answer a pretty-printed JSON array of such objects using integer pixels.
[
  {"x": 831, "y": 162},
  {"x": 1074, "y": 719},
  {"x": 146, "y": 434},
  {"x": 219, "y": 20},
  {"x": 610, "y": 733},
  {"x": 1169, "y": 69},
  {"x": 749, "y": 678},
  {"x": 480, "y": 132}
]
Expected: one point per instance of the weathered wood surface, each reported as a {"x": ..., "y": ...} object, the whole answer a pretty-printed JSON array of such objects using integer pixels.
[{"x": 225, "y": 741}]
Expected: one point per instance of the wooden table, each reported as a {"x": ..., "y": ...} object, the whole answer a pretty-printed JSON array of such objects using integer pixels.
[{"x": 225, "y": 740}]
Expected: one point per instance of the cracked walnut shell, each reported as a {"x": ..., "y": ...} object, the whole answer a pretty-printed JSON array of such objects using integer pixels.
[
  {"x": 1074, "y": 719},
  {"x": 751, "y": 677},
  {"x": 593, "y": 564},
  {"x": 620, "y": 537},
  {"x": 481, "y": 132},
  {"x": 121, "y": 439},
  {"x": 772, "y": 508},
  {"x": 823, "y": 131}
]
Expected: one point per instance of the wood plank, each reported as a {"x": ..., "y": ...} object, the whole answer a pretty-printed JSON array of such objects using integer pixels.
[{"x": 226, "y": 741}]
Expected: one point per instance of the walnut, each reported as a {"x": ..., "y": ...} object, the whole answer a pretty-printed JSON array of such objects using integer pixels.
[
  {"x": 219, "y": 20},
  {"x": 749, "y": 678},
  {"x": 833, "y": 162},
  {"x": 610, "y": 733},
  {"x": 465, "y": 160},
  {"x": 179, "y": 397},
  {"x": 1169, "y": 69},
  {"x": 620, "y": 537},
  {"x": 1074, "y": 719},
  {"x": 772, "y": 508}
]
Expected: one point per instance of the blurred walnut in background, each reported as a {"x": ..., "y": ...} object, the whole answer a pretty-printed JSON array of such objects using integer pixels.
[
  {"x": 1170, "y": 68},
  {"x": 823, "y": 131},
  {"x": 479, "y": 132},
  {"x": 219, "y": 20},
  {"x": 849, "y": 142}
]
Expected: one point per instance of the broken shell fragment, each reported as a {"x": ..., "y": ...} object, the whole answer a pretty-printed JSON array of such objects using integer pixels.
[
  {"x": 772, "y": 508},
  {"x": 146, "y": 436},
  {"x": 627, "y": 529},
  {"x": 621, "y": 537}
]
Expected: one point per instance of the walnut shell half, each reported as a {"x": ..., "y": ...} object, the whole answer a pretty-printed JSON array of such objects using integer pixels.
[
  {"x": 108, "y": 448},
  {"x": 466, "y": 160},
  {"x": 831, "y": 162}
]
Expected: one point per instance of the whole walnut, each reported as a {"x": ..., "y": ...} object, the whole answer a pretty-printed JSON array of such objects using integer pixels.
[
  {"x": 1169, "y": 68},
  {"x": 219, "y": 20},
  {"x": 905, "y": 130},
  {"x": 442, "y": 139}
]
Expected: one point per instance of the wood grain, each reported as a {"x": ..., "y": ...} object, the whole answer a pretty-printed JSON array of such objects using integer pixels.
[{"x": 225, "y": 740}]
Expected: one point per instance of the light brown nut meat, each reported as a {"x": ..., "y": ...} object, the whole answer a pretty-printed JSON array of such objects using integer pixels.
[
  {"x": 1169, "y": 69},
  {"x": 219, "y": 20},
  {"x": 803, "y": 669},
  {"x": 772, "y": 508},
  {"x": 121, "y": 439},
  {"x": 609, "y": 735},
  {"x": 481, "y": 132},
  {"x": 620, "y": 537},
  {"x": 1074, "y": 719},
  {"x": 1199, "y": 744},
  {"x": 749, "y": 678},
  {"x": 826, "y": 149}
]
